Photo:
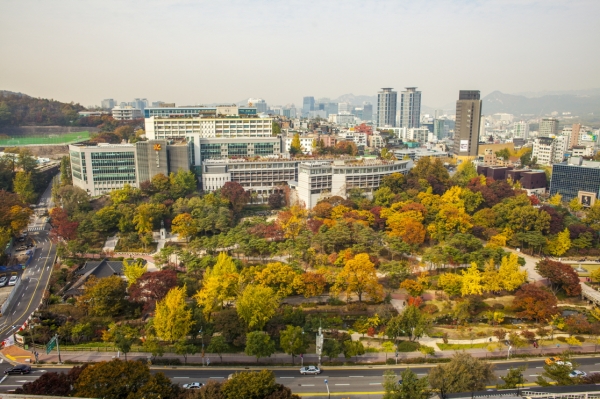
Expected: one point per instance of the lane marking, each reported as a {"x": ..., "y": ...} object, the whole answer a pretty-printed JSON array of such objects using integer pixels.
[
  {"x": 216, "y": 377},
  {"x": 287, "y": 377},
  {"x": 180, "y": 377},
  {"x": 3, "y": 378},
  {"x": 534, "y": 375},
  {"x": 356, "y": 376},
  {"x": 342, "y": 384},
  {"x": 375, "y": 383},
  {"x": 307, "y": 385}
]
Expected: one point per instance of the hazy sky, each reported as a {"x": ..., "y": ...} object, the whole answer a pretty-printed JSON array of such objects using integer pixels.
[{"x": 192, "y": 52}]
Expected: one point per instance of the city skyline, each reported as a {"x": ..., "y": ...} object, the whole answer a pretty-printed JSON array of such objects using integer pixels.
[{"x": 74, "y": 51}]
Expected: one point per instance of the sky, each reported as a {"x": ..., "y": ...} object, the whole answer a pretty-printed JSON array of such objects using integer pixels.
[{"x": 199, "y": 52}]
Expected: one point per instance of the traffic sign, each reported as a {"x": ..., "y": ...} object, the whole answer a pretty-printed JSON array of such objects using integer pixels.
[{"x": 50, "y": 345}]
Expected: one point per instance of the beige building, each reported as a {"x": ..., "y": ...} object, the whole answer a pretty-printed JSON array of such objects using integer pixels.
[{"x": 466, "y": 128}]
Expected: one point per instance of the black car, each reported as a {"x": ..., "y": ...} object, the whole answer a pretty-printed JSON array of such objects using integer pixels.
[{"x": 20, "y": 369}]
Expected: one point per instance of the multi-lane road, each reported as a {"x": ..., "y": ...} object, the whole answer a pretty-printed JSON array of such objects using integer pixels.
[
  {"x": 354, "y": 382},
  {"x": 34, "y": 279}
]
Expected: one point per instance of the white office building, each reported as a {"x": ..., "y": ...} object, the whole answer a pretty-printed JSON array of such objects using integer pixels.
[
  {"x": 259, "y": 104},
  {"x": 318, "y": 180},
  {"x": 126, "y": 113},
  {"x": 306, "y": 141}
]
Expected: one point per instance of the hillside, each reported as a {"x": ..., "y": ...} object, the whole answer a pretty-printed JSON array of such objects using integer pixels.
[
  {"x": 17, "y": 109},
  {"x": 578, "y": 105}
]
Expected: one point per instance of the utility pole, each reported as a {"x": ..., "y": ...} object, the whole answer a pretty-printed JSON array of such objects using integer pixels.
[{"x": 58, "y": 349}]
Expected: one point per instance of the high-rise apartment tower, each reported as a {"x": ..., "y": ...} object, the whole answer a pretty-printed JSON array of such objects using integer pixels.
[
  {"x": 410, "y": 108},
  {"x": 468, "y": 119},
  {"x": 386, "y": 107}
]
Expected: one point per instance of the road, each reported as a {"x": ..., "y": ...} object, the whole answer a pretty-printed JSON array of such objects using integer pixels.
[
  {"x": 354, "y": 382},
  {"x": 35, "y": 278}
]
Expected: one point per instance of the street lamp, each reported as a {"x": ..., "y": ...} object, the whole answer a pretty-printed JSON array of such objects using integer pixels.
[
  {"x": 508, "y": 352},
  {"x": 328, "y": 394},
  {"x": 202, "y": 338}
]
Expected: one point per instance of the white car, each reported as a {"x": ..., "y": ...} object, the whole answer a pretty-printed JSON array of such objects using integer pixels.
[
  {"x": 310, "y": 370},
  {"x": 577, "y": 373},
  {"x": 561, "y": 363},
  {"x": 13, "y": 280},
  {"x": 193, "y": 385}
]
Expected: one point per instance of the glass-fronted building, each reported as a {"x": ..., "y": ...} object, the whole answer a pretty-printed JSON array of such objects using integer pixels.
[{"x": 573, "y": 176}]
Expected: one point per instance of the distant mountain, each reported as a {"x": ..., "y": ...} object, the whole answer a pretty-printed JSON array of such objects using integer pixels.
[
  {"x": 578, "y": 105},
  {"x": 355, "y": 100},
  {"x": 584, "y": 92}
]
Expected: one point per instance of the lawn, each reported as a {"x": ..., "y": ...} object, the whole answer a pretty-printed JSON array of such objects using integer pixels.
[{"x": 64, "y": 138}]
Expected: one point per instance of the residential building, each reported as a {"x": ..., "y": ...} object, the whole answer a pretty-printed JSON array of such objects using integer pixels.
[
  {"x": 410, "y": 108},
  {"x": 521, "y": 130},
  {"x": 582, "y": 151},
  {"x": 108, "y": 103},
  {"x": 419, "y": 135},
  {"x": 308, "y": 104},
  {"x": 561, "y": 144},
  {"x": 543, "y": 150},
  {"x": 343, "y": 119},
  {"x": 139, "y": 103},
  {"x": 575, "y": 135},
  {"x": 367, "y": 114},
  {"x": 414, "y": 154},
  {"x": 318, "y": 180},
  {"x": 468, "y": 119},
  {"x": 259, "y": 104},
  {"x": 576, "y": 178},
  {"x": 386, "y": 107},
  {"x": 441, "y": 129},
  {"x": 345, "y": 108},
  {"x": 126, "y": 112},
  {"x": 306, "y": 141},
  {"x": 376, "y": 141},
  {"x": 548, "y": 127}
]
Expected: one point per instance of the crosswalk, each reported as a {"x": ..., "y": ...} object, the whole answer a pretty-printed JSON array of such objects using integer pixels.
[{"x": 35, "y": 228}]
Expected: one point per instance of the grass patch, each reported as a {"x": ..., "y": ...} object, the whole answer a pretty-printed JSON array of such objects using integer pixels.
[
  {"x": 63, "y": 138},
  {"x": 445, "y": 347}
]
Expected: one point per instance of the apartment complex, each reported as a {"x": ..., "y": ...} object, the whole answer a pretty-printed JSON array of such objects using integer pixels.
[
  {"x": 386, "y": 107},
  {"x": 550, "y": 150},
  {"x": 410, "y": 108},
  {"x": 98, "y": 169},
  {"x": 468, "y": 119},
  {"x": 320, "y": 179}
]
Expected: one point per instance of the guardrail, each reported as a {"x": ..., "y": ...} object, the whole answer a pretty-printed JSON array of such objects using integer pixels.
[{"x": 10, "y": 296}]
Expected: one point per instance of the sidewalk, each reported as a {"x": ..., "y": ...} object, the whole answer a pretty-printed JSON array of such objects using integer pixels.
[{"x": 281, "y": 359}]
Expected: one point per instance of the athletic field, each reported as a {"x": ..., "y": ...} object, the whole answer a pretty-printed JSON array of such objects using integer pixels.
[{"x": 46, "y": 139}]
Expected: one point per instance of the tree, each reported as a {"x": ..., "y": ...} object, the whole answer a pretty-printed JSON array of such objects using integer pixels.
[
  {"x": 575, "y": 205},
  {"x": 560, "y": 244},
  {"x": 510, "y": 275},
  {"x": 152, "y": 345},
  {"x": 471, "y": 281},
  {"x": 353, "y": 348},
  {"x": 295, "y": 146},
  {"x": 276, "y": 200},
  {"x": 535, "y": 303},
  {"x": 124, "y": 132},
  {"x": 236, "y": 195},
  {"x": 146, "y": 215},
  {"x": 426, "y": 350},
  {"x": 184, "y": 348},
  {"x": 279, "y": 277},
  {"x": 359, "y": 277},
  {"x": 152, "y": 287},
  {"x": 23, "y": 186},
  {"x": 231, "y": 326},
  {"x": 555, "y": 200},
  {"x": 133, "y": 271},
  {"x": 332, "y": 348},
  {"x": 450, "y": 283},
  {"x": 253, "y": 385},
  {"x": 52, "y": 384},
  {"x": 65, "y": 171},
  {"x": 413, "y": 287},
  {"x": 412, "y": 322},
  {"x": 184, "y": 225},
  {"x": 463, "y": 373},
  {"x": 410, "y": 387},
  {"x": 395, "y": 182},
  {"x": 313, "y": 284},
  {"x": 558, "y": 374},
  {"x": 104, "y": 296},
  {"x": 173, "y": 320},
  {"x": 256, "y": 305},
  {"x": 219, "y": 284},
  {"x": 259, "y": 344},
  {"x": 123, "y": 380},
  {"x": 182, "y": 183},
  {"x": 560, "y": 276},
  {"x": 292, "y": 341},
  {"x": 217, "y": 345}
]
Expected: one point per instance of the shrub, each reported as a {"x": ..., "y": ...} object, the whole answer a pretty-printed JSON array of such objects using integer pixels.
[
  {"x": 356, "y": 306},
  {"x": 166, "y": 361},
  {"x": 408, "y": 346},
  {"x": 430, "y": 308},
  {"x": 562, "y": 339},
  {"x": 335, "y": 302},
  {"x": 498, "y": 306},
  {"x": 580, "y": 338},
  {"x": 390, "y": 360}
]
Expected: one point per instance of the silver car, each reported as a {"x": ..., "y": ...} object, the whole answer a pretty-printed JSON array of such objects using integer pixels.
[{"x": 310, "y": 370}]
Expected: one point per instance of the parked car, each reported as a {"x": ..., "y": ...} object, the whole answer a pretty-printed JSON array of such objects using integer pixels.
[
  {"x": 577, "y": 373},
  {"x": 13, "y": 280},
  {"x": 20, "y": 369},
  {"x": 561, "y": 363},
  {"x": 3, "y": 280},
  {"x": 193, "y": 385},
  {"x": 21, "y": 248},
  {"x": 310, "y": 370}
]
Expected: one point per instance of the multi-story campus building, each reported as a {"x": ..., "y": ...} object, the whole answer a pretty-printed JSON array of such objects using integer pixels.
[
  {"x": 98, "y": 169},
  {"x": 320, "y": 179},
  {"x": 576, "y": 178},
  {"x": 166, "y": 112}
]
